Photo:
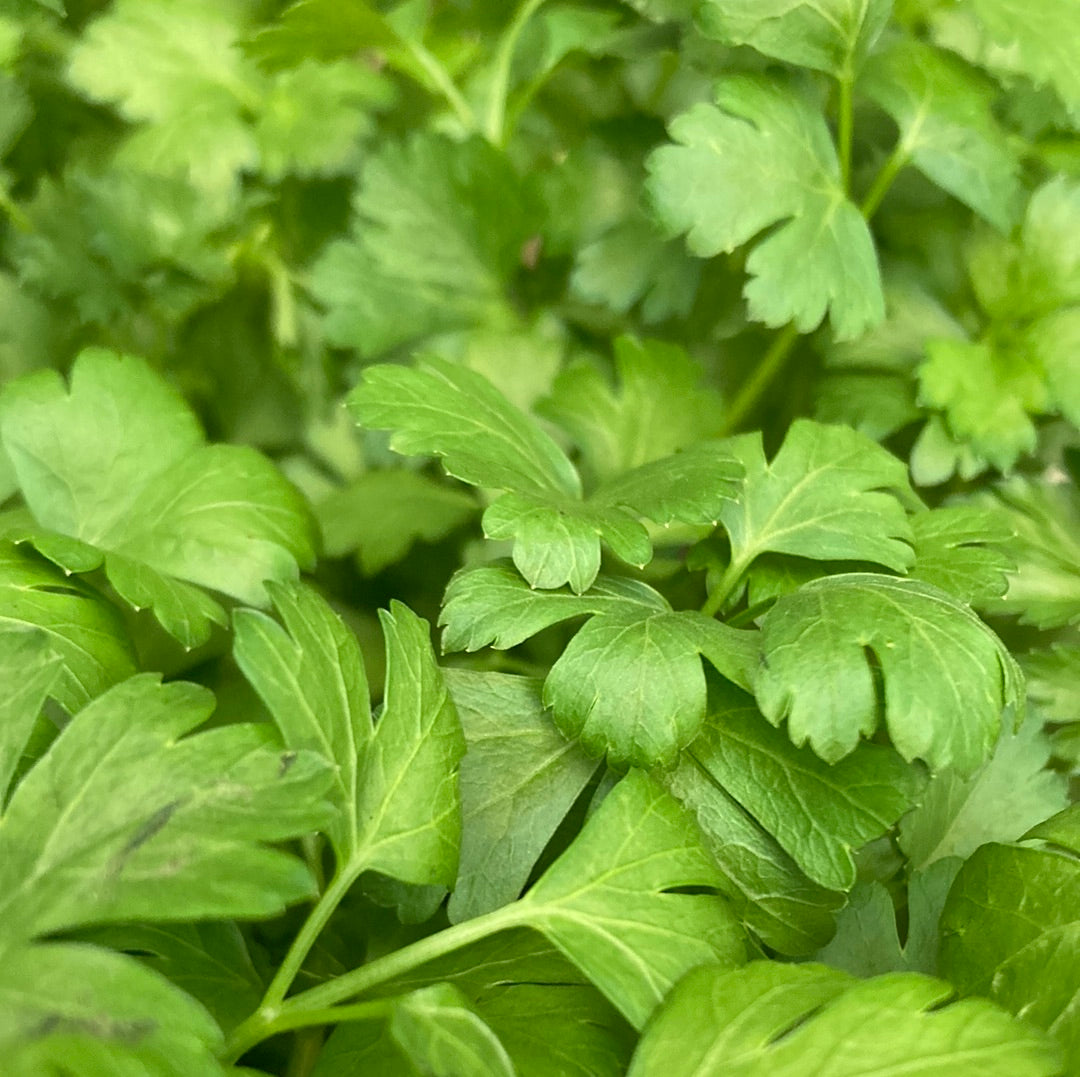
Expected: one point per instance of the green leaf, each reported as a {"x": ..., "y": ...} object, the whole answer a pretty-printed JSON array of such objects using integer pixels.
[
  {"x": 395, "y": 784},
  {"x": 1010, "y": 930},
  {"x": 606, "y": 902},
  {"x": 1053, "y": 681},
  {"x": 1011, "y": 793},
  {"x": 1040, "y": 47},
  {"x": 1045, "y": 588},
  {"x": 780, "y": 1019},
  {"x": 519, "y": 778},
  {"x": 380, "y": 516},
  {"x": 72, "y": 1008},
  {"x": 452, "y": 412},
  {"x": 986, "y": 395},
  {"x": 436, "y": 240},
  {"x": 630, "y": 682},
  {"x": 209, "y": 961},
  {"x": 81, "y": 627},
  {"x": 834, "y": 36},
  {"x": 945, "y": 676},
  {"x": 118, "y": 462},
  {"x": 154, "y": 826},
  {"x": 947, "y": 126},
  {"x": 323, "y": 29},
  {"x": 828, "y": 494},
  {"x": 764, "y": 157},
  {"x": 766, "y": 889},
  {"x": 28, "y": 670},
  {"x": 656, "y": 406},
  {"x": 961, "y": 549},
  {"x": 818, "y": 813}
]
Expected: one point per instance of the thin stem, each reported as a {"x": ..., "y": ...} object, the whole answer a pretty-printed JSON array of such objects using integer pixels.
[
  {"x": 722, "y": 591},
  {"x": 319, "y": 1002},
  {"x": 753, "y": 388},
  {"x": 248, "y": 1034},
  {"x": 844, "y": 128},
  {"x": 884, "y": 180},
  {"x": 495, "y": 123},
  {"x": 305, "y": 939},
  {"x": 444, "y": 83}
]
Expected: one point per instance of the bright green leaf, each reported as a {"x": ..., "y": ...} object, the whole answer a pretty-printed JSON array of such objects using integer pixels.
[
  {"x": 947, "y": 126},
  {"x": 125, "y": 818},
  {"x": 945, "y": 677},
  {"x": 818, "y": 813},
  {"x": 118, "y": 462},
  {"x": 961, "y": 549},
  {"x": 519, "y": 778},
  {"x": 828, "y": 35},
  {"x": 781, "y": 1019},
  {"x": 28, "y": 670},
  {"x": 765, "y": 157}
]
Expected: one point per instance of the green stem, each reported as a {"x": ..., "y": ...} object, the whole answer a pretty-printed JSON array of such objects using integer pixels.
[
  {"x": 495, "y": 124},
  {"x": 844, "y": 129},
  {"x": 321, "y": 1001},
  {"x": 248, "y": 1034},
  {"x": 728, "y": 582},
  {"x": 9, "y": 206},
  {"x": 884, "y": 180},
  {"x": 444, "y": 83},
  {"x": 305, "y": 939},
  {"x": 753, "y": 388}
]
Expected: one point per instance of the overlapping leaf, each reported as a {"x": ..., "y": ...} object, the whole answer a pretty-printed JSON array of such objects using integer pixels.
[
  {"x": 630, "y": 682},
  {"x": 763, "y": 157},
  {"x": 28, "y": 670},
  {"x": 449, "y": 411},
  {"x": 947, "y": 126},
  {"x": 1010, "y": 929},
  {"x": 519, "y": 778},
  {"x": 962, "y": 550},
  {"x": 828, "y": 35},
  {"x": 828, "y": 494},
  {"x": 780, "y": 1019},
  {"x": 945, "y": 677},
  {"x": 395, "y": 787},
  {"x": 81, "y": 627},
  {"x": 115, "y": 472}
]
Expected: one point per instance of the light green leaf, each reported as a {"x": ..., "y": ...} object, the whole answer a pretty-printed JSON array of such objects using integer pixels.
[
  {"x": 1045, "y": 588},
  {"x": 82, "y": 628},
  {"x": 380, "y": 515},
  {"x": 656, "y": 406},
  {"x": 209, "y": 961},
  {"x": 395, "y": 785},
  {"x": 448, "y": 411},
  {"x": 764, "y": 157},
  {"x": 961, "y": 549},
  {"x": 493, "y": 606},
  {"x": 1040, "y": 46},
  {"x": 788, "y": 1020},
  {"x": 1010, "y": 930},
  {"x": 310, "y": 675},
  {"x": 830, "y": 493},
  {"x": 818, "y": 813},
  {"x": 519, "y": 778},
  {"x": 118, "y": 462},
  {"x": 606, "y": 902},
  {"x": 73, "y": 1008},
  {"x": 767, "y": 891},
  {"x": 630, "y": 683},
  {"x": 436, "y": 240},
  {"x": 125, "y": 818},
  {"x": 28, "y": 670},
  {"x": 1011, "y": 793},
  {"x": 947, "y": 126},
  {"x": 986, "y": 395},
  {"x": 834, "y": 36},
  {"x": 323, "y": 29},
  {"x": 1053, "y": 681},
  {"x": 945, "y": 676}
]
